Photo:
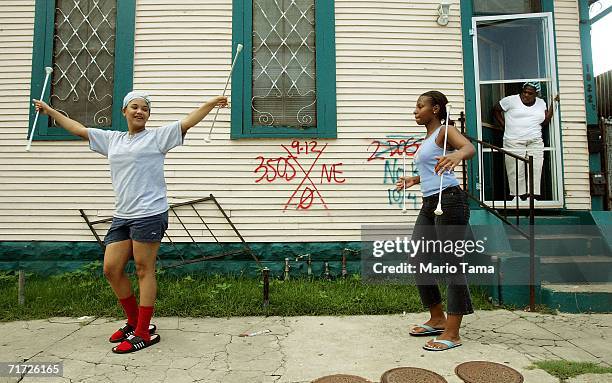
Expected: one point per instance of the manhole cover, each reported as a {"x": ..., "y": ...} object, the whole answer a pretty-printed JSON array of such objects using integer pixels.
[
  {"x": 411, "y": 375},
  {"x": 487, "y": 372},
  {"x": 341, "y": 379}
]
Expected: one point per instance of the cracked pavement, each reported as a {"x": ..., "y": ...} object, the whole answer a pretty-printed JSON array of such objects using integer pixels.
[{"x": 300, "y": 349}]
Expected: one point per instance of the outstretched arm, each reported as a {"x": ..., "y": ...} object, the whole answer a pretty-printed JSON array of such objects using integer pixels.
[
  {"x": 198, "y": 115},
  {"x": 67, "y": 123}
]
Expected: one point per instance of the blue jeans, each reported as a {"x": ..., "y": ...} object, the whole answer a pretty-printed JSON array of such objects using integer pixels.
[{"x": 451, "y": 225}]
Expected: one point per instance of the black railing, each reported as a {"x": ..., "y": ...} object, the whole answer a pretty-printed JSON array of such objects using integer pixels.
[{"x": 509, "y": 213}]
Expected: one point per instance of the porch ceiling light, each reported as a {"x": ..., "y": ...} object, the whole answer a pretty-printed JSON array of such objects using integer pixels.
[{"x": 443, "y": 11}]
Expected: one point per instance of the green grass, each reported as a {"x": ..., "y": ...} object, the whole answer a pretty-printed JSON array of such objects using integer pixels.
[
  {"x": 564, "y": 370},
  {"x": 86, "y": 292}
]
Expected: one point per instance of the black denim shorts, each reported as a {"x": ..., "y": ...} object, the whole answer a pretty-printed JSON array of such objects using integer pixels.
[{"x": 145, "y": 229}]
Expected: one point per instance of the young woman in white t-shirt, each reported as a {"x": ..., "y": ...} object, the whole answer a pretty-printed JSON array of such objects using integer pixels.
[
  {"x": 136, "y": 160},
  {"x": 522, "y": 117}
]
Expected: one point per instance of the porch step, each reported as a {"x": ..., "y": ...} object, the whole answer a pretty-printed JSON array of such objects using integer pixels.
[
  {"x": 604, "y": 288},
  {"x": 599, "y": 259},
  {"x": 576, "y": 269},
  {"x": 558, "y": 236},
  {"x": 561, "y": 242},
  {"x": 558, "y": 220},
  {"x": 578, "y": 298}
]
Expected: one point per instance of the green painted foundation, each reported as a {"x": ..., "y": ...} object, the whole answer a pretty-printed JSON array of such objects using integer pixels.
[
  {"x": 509, "y": 287},
  {"x": 48, "y": 258}
]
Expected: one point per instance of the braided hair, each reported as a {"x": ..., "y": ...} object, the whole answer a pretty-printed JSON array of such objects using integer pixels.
[{"x": 438, "y": 98}]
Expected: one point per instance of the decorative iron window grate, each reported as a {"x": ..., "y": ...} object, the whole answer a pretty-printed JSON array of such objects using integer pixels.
[
  {"x": 284, "y": 60},
  {"x": 84, "y": 57}
]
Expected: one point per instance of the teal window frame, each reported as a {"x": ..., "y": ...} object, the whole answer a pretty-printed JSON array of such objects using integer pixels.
[
  {"x": 242, "y": 33},
  {"x": 42, "y": 56}
]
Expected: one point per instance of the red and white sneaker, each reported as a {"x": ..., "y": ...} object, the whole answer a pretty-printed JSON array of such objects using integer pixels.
[
  {"x": 127, "y": 330},
  {"x": 135, "y": 343}
]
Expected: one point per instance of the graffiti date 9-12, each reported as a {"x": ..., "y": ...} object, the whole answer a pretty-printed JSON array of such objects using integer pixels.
[{"x": 305, "y": 147}]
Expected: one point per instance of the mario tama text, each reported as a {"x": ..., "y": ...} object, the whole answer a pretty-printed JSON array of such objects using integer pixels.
[{"x": 432, "y": 268}]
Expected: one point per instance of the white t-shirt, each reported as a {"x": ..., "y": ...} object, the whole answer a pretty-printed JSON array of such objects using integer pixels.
[
  {"x": 137, "y": 167},
  {"x": 522, "y": 122}
]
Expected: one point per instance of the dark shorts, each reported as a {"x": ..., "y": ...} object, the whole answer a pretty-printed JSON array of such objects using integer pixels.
[{"x": 145, "y": 229}]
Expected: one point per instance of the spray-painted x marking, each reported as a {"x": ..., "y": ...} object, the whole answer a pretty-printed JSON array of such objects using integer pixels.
[{"x": 306, "y": 176}]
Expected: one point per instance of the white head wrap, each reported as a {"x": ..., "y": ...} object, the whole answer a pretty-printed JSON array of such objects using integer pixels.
[{"x": 134, "y": 95}]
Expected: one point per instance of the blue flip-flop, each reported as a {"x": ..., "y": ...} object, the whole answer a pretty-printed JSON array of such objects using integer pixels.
[
  {"x": 449, "y": 344},
  {"x": 429, "y": 331}
]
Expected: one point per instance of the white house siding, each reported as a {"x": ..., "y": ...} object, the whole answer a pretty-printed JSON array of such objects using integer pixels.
[
  {"x": 573, "y": 114},
  {"x": 388, "y": 52},
  {"x": 40, "y": 191}
]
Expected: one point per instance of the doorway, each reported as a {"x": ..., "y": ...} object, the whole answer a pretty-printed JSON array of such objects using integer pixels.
[{"x": 510, "y": 50}]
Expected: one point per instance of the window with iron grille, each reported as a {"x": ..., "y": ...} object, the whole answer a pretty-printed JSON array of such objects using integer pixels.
[
  {"x": 284, "y": 85},
  {"x": 89, "y": 44}
]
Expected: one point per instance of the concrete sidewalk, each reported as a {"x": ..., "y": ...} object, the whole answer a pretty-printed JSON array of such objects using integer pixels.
[{"x": 300, "y": 349}]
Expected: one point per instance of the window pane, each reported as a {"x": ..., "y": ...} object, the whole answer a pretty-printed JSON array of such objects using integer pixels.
[
  {"x": 504, "y": 7},
  {"x": 284, "y": 75},
  {"x": 84, "y": 56},
  {"x": 512, "y": 49}
]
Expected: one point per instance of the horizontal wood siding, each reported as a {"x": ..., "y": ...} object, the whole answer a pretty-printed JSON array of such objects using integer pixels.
[
  {"x": 573, "y": 114},
  {"x": 388, "y": 53}
]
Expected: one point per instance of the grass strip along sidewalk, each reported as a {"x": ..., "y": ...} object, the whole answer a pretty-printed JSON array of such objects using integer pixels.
[
  {"x": 565, "y": 370},
  {"x": 86, "y": 292}
]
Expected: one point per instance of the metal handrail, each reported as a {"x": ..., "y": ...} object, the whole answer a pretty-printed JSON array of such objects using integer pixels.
[{"x": 245, "y": 246}]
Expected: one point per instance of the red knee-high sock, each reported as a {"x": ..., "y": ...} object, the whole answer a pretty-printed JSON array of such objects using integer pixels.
[
  {"x": 130, "y": 307},
  {"x": 144, "y": 319}
]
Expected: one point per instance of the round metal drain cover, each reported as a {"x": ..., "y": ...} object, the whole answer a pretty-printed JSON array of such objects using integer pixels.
[
  {"x": 487, "y": 372},
  {"x": 341, "y": 379},
  {"x": 411, "y": 375}
]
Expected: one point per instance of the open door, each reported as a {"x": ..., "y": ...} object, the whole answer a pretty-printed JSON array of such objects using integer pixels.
[{"x": 510, "y": 50}]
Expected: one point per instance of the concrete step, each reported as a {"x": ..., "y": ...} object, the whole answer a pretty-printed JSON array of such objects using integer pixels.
[
  {"x": 576, "y": 269},
  {"x": 578, "y": 298},
  {"x": 561, "y": 220},
  {"x": 549, "y": 242}
]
